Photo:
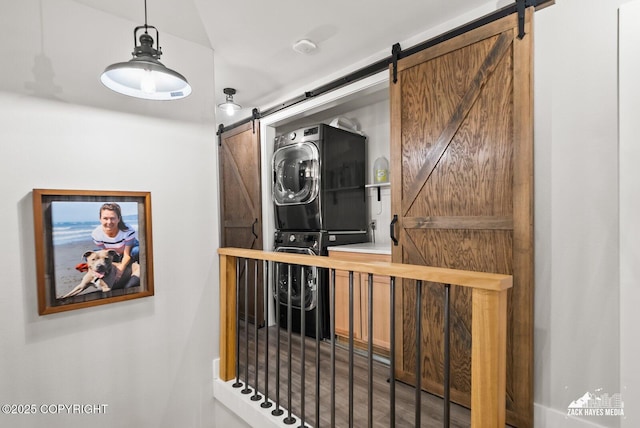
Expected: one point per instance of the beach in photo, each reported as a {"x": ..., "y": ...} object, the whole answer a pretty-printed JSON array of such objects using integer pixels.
[{"x": 66, "y": 257}]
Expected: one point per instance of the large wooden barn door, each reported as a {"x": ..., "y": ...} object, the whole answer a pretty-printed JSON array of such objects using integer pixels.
[
  {"x": 461, "y": 125},
  {"x": 241, "y": 203}
]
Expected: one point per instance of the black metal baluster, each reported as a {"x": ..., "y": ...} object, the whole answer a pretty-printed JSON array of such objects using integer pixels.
[
  {"x": 370, "y": 349},
  {"x": 266, "y": 403},
  {"x": 256, "y": 396},
  {"x": 332, "y": 328},
  {"x": 418, "y": 390},
  {"x": 246, "y": 389},
  {"x": 289, "y": 419},
  {"x": 303, "y": 326},
  {"x": 237, "y": 383},
  {"x": 319, "y": 304},
  {"x": 350, "y": 349},
  {"x": 447, "y": 356},
  {"x": 392, "y": 356},
  {"x": 277, "y": 273}
]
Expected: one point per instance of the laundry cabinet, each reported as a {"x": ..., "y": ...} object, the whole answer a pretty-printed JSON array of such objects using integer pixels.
[{"x": 381, "y": 310}]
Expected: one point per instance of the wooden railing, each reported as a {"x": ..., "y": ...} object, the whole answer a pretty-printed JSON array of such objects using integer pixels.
[{"x": 488, "y": 314}]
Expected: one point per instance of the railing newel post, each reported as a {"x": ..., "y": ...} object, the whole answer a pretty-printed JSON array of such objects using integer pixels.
[{"x": 488, "y": 358}]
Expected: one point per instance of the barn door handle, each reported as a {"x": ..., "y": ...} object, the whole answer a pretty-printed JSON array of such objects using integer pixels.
[
  {"x": 253, "y": 228},
  {"x": 392, "y": 229}
]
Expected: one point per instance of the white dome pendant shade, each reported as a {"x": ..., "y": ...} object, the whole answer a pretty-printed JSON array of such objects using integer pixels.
[
  {"x": 229, "y": 106},
  {"x": 144, "y": 76}
]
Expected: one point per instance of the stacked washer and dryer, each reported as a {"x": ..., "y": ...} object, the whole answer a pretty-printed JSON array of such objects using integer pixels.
[{"x": 319, "y": 201}]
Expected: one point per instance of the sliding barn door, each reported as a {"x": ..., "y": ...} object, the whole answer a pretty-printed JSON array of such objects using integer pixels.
[
  {"x": 241, "y": 205},
  {"x": 461, "y": 125}
]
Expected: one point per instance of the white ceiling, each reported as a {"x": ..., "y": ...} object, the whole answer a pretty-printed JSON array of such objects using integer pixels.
[{"x": 252, "y": 39}]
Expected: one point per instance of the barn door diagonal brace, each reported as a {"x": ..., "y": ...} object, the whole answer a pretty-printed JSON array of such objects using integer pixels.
[
  {"x": 458, "y": 116},
  {"x": 395, "y": 55}
]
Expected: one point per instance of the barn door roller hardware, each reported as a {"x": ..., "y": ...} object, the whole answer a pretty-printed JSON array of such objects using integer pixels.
[
  {"x": 519, "y": 7},
  {"x": 396, "y": 50},
  {"x": 219, "y": 133},
  {"x": 255, "y": 115}
]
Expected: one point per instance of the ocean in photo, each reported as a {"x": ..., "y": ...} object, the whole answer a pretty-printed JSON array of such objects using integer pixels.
[{"x": 67, "y": 232}]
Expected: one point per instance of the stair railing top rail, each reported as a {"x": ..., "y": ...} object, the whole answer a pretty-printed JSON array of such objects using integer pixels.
[{"x": 472, "y": 279}]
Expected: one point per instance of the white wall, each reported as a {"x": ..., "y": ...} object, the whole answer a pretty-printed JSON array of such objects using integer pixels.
[
  {"x": 149, "y": 360},
  {"x": 577, "y": 331},
  {"x": 629, "y": 94}
]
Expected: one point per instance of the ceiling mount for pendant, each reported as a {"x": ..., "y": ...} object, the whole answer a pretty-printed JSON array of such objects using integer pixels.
[
  {"x": 144, "y": 76},
  {"x": 229, "y": 106}
]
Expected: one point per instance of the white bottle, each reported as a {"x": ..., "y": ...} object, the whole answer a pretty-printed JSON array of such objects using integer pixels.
[{"x": 381, "y": 170}]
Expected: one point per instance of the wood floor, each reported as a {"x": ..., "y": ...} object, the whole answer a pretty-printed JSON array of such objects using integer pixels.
[{"x": 432, "y": 407}]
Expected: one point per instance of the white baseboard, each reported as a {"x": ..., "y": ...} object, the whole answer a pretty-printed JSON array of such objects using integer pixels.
[
  {"x": 256, "y": 416},
  {"x": 241, "y": 404},
  {"x": 546, "y": 417}
]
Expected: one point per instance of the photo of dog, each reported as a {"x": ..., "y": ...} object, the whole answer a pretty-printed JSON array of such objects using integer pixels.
[{"x": 104, "y": 273}]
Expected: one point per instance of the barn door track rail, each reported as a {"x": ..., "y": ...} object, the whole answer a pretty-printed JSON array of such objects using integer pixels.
[{"x": 397, "y": 53}]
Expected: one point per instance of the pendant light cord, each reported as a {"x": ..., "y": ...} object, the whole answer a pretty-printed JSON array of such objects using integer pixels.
[{"x": 145, "y": 17}]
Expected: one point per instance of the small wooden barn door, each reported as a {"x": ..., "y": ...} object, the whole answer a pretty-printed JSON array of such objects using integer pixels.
[
  {"x": 461, "y": 148},
  {"x": 241, "y": 204}
]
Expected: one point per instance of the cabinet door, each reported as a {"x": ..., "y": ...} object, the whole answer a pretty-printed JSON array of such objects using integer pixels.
[
  {"x": 342, "y": 305},
  {"x": 462, "y": 190}
]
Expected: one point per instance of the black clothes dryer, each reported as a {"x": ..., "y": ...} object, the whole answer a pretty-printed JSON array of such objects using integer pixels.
[{"x": 319, "y": 179}]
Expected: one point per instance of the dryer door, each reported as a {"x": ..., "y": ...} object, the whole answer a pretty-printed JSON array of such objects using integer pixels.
[{"x": 296, "y": 169}]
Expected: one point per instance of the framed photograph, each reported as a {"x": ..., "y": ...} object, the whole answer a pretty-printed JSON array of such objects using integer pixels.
[{"x": 93, "y": 247}]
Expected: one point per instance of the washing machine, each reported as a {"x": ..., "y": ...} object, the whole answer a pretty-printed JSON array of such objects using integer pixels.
[
  {"x": 314, "y": 280},
  {"x": 319, "y": 180}
]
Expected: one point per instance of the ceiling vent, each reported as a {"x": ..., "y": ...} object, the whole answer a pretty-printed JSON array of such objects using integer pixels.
[{"x": 304, "y": 46}]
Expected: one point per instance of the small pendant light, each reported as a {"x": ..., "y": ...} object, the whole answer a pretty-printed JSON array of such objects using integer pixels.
[
  {"x": 144, "y": 76},
  {"x": 229, "y": 106}
]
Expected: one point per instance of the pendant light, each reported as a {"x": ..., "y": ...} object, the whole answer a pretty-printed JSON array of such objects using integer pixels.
[
  {"x": 144, "y": 76},
  {"x": 229, "y": 106}
]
